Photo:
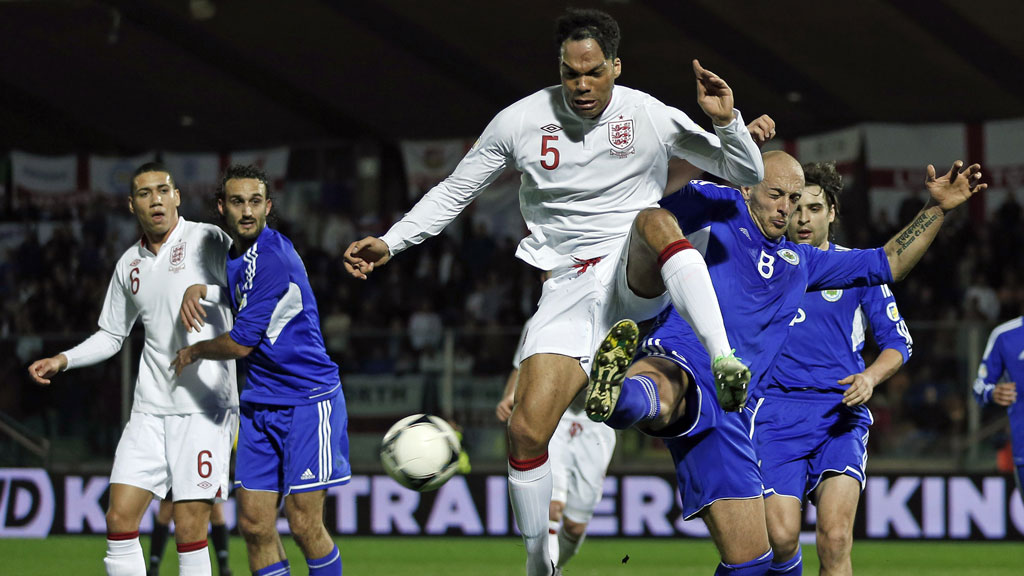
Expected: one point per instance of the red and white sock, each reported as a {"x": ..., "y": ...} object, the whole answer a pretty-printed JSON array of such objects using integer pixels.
[
  {"x": 194, "y": 559},
  {"x": 689, "y": 285},
  {"x": 124, "y": 555},
  {"x": 529, "y": 490}
]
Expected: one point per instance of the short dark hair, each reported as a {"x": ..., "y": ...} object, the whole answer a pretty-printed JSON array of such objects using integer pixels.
[
  {"x": 151, "y": 167},
  {"x": 243, "y": 172},
  {"x": 586, "y": 23},
  {"x": 825, "y": 176}
]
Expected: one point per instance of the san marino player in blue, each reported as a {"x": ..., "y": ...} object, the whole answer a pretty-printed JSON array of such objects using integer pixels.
[
  {"x": 1002, "y": 366},
  {"x": 760, "y": 278},
  {"x": 293, "y": 439},
  {"x": 810, "y": 428}
]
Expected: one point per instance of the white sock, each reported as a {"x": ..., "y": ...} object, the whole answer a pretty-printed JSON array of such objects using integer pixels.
[
  {"x": 125, "y": 558},
  {"x": 530, "y": 494},
  {"x": 567, "y": 547},
  {"x": 553, "y": 540},
  {"x": 686, "y": 277},
  {"x": 195, "y": 563}
]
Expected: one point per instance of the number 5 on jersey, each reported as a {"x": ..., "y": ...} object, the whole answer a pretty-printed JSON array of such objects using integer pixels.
[{"x": 546, "y": 150}]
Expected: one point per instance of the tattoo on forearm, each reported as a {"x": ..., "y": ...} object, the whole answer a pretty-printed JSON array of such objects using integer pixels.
[{"x": 916, "y": 228}]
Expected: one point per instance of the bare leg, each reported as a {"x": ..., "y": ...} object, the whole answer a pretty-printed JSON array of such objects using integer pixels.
[
  {"x": 547, "y": 385},
  {"x": 783, "y": 516},
  {"x": 257, "y": 521},
  {"x": 837, "y": 507},
  {"x": 737, "y": 527}
]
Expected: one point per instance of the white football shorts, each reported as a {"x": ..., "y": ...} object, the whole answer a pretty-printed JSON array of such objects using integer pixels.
[
  {"x": 580, "y": 303},
  {"x": 189, "y": 453},
  {"x": 579, "y": 453}
]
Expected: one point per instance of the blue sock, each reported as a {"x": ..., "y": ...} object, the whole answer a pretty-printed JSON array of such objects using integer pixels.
[
  {"x": 756, "y": 567},
  {"x": 329, "y": 565},
  {"x": 638, "y": 401},
  {"x": 277, "y": 569},
  {"x": 792, "y": 567}
]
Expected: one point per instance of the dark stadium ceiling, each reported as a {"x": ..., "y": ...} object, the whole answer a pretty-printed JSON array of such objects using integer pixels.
[{"x": 126, "y": 76}]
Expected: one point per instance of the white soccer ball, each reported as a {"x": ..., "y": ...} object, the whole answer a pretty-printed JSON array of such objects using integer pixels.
[{"x": 420, "y": 452}]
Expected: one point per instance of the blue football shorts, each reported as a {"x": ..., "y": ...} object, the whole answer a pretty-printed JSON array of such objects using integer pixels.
[
  {"x": 289, "y": 449},
  {"x": 801, "y": 438},
  {"x": 711, "y": 448}
]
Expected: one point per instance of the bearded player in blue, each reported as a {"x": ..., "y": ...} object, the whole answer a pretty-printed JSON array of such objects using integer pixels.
[
  {"x": 292, "y": 441},
  {"x": 760, "y": 278},
  {"x": 810, "y": 428}
]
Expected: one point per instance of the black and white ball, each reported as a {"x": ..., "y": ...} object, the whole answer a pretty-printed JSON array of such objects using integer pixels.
[{"x": 420, "y": 452}]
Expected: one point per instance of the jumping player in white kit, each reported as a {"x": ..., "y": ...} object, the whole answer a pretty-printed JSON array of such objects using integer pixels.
[
  {"x": 181, "y": 429},
  {"x": 594, "y": 161},
  {"x": 579, "y": 452}
]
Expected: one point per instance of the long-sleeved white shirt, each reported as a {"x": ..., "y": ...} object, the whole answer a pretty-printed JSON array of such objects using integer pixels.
[
  {"x": 583, "y": 181},
  {"x": 151, "y": 286}
]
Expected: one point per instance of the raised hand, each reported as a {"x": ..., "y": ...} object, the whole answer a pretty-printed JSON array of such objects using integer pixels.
[
  {"x": 362, "y": 256},
  {"x": 762, "y": 129},
  {"x": 954, "y": 187},
  {"x": 713, "y": 95}
]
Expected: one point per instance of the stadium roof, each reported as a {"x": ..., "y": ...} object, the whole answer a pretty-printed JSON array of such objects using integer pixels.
[{"x": 133, "y": 75}]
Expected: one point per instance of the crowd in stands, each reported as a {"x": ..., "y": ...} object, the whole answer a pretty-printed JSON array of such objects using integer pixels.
[{"x": 470, "y": 282}]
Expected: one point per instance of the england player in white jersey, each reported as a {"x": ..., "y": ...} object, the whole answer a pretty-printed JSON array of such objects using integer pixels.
[
  {"x": 594, "y": 160},
  {"x": 181, "y": 429},
  {"x": 579, "y": 451}
]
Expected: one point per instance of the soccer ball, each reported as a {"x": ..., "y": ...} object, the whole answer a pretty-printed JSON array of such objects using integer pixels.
[{"x": 420, "y": 452}]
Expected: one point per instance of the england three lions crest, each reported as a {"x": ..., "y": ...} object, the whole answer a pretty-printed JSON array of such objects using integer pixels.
[
  {"x": 620, "y": 136},
  {"x": 177, "y": 257}
]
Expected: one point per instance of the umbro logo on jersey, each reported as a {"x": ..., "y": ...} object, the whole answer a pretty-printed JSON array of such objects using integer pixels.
[
  {"x": 307, "y": 475},
  {"x": 135, "y": 263},
  {"x": 745, "y": 233},
  {"x": 204, "y": 485},
  {"x": 551, "y": 128}
]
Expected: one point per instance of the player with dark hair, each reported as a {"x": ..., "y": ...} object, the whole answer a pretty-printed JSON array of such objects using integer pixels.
[
  {"x": 761, "y": 278},
  {"x": 293, "y": 442},
  {"x": 181, "y": 428},
  {"x": 1002, "y": 366},
  {"x": 594, "y": 159},
  {"x": 810, "y": 431}
]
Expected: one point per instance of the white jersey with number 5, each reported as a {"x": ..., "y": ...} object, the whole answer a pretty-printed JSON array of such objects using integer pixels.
[
  {"x": 583, "y": 180},
  {"x": 150, "y": 286}
]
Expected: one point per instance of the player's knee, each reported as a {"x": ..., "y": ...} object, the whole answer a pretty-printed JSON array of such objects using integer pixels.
[
  {"x": 305, "y": 527},
  {"x": 785, "y": 541},
  {"x": 835, "y": 540},
  {"x": 525, "y": 439},
  {"x": 254, "y": 527},
  {"x": 118, "y": 521},
  {"x": 575, "y": 530},
  {"x": 650, "y": 219}
]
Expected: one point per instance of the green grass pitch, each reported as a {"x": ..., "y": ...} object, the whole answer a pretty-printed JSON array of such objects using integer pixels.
[{"x": 83, "y": 555}]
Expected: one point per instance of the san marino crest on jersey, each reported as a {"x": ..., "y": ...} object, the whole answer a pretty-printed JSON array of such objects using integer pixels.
[
  {"x": 831, "y": 295},
  {"x": 177, "y": 257},
  {"x": 621, "y": 135},
  {"x": 789, "y": 256}
]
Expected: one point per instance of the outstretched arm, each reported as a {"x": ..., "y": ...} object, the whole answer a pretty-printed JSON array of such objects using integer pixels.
[
  {"x": 946, "y": 193},
  {"x": 362, "y": 256}
]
